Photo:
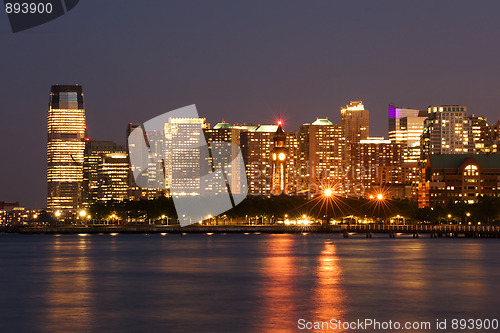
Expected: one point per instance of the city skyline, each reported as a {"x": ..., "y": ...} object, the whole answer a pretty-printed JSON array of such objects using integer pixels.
[
  {"x": 243, "y": 62},
  {"x": 268, "y": 131},
  {"x": 342, "y": 160}
]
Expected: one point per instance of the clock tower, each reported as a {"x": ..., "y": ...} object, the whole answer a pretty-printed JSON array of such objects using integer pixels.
[{"x": 279, "y": 158}]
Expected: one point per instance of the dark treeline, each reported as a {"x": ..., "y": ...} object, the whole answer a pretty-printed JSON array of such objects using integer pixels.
[{"x": 487, "y": 210}]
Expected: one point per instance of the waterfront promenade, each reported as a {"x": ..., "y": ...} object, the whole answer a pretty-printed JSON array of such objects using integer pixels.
[{"x": 368, "y": 230}]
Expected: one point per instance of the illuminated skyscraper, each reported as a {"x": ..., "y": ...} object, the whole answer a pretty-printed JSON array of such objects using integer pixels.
[
  {"x": 65, "y": 147},
  {"x": 354, "y": 120}
]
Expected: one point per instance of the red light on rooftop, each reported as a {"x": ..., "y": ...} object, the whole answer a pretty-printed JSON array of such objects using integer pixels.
[
  {"x": 87, "y": 139},
  {"x": 279, "y": 120}
]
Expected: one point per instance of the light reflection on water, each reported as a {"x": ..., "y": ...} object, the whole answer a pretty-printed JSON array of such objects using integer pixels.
[
  {"x": 328, "y": 296},
  {"x": 239, "y": 283},
  {"x": 69, "y": 299},
  {"x": 279, "y": 293}
]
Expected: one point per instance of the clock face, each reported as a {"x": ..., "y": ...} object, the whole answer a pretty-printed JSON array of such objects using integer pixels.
[
  {"x": 281, "y": 156},
  {"x": 274, "y": 156}
]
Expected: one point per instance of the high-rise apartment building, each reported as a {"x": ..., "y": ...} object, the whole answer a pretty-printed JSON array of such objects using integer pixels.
[
  {"x": 446, "y": 131},
  {"x": 65, "y": 147},
  {"x": 354, "y": 119},
  {"x": 321, "y": 146}
]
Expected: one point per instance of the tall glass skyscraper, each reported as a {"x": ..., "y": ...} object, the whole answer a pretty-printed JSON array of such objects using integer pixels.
[{"x": 65, "y": 147}]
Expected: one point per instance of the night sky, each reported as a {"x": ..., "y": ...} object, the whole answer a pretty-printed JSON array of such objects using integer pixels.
[{"x": 241, "y": 61}]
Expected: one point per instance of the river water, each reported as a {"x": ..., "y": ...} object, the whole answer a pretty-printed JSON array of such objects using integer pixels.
[{"x": 240, "y": 283}]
